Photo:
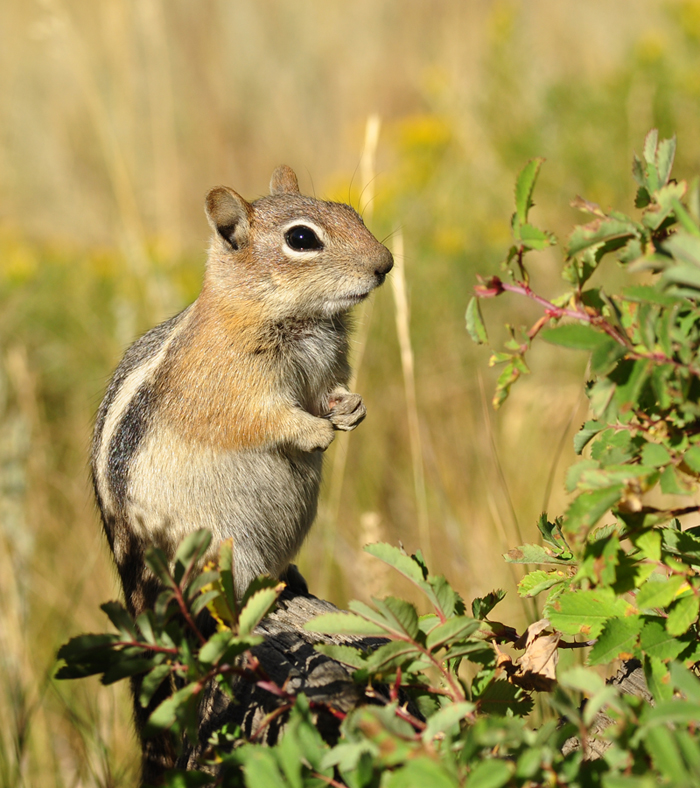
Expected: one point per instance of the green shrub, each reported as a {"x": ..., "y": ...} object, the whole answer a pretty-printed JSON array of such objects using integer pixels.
[{"x": 617, "y": 571}]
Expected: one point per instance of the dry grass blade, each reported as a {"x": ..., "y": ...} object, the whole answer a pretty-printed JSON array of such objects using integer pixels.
[
  {"x": 363, "y": 318},
  {"x": 398, "y": 284}
]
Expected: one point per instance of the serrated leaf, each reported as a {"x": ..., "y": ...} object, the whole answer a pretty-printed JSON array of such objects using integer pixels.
[
  {"x": 393, "y": 655},
  {"x": 257, "y": 607},
  {"x": 398, "y": 559},
  {"x": 585, "y": 612},
  {"x": 121, "y": 619},
  {"x": 483, "y": 605},
  {"x": 344, "y": 624},
  {"x": 586, "y": 434},
  {"x": 539, "y": 580},
  {"x": 657, "y": 643},
  {"x": 456, "y": 628},
  {"x": 683, "y": 613},
  {"x": 166, "y": 715},
  {"x": 658, "y": 593},
  {"x": 535, "y": 238},
  {"x": 597, "y": 232},
  {"x": 346, "y": 654},
  {"x": 212, "y": 651},
  {"x": 399, "y": 614},
  {"x": 590, "y": 505},
  {"x": 475, "y": 322},
  {"x": 658, "y": 678},
  {"x": 577, "y": 336},
  {"x": 618, "y": 640},
  {"x": 535, "y": 554},
  {"x": 524, "y": 187},
  {"x": 655, "y": 454}
]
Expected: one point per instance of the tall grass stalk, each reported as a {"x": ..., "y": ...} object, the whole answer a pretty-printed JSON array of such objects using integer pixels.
[
  {"x": 398, "y": 284},
  {"x": 363, "y": 320}
]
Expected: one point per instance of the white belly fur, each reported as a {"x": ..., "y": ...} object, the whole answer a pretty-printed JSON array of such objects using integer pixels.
[{"x": 265, "y": 500}]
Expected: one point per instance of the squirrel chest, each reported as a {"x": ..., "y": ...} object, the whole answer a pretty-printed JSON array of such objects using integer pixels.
[{"x": 218, "y": 418}]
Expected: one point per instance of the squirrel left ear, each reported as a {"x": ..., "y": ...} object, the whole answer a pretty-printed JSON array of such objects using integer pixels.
[
  {"x": 229, "y": 216},
  {"x": 284, "y": 181}
]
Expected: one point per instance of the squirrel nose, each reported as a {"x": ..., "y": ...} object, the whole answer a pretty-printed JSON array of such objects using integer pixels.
[{"x": 384, "y": 264}]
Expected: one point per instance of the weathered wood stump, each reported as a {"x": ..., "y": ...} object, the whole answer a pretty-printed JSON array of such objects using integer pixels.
[{"x": 287, "y": 658}]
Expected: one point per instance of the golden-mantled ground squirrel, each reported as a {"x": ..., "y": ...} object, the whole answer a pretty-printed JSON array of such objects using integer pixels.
[{"x": 218, "y": 417}]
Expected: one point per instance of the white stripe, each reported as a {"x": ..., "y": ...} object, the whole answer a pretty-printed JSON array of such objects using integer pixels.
[{"x": 131, "y": 384}]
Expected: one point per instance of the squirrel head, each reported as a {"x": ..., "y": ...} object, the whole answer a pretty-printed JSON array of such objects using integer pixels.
[{"x": 293, "y": 255}]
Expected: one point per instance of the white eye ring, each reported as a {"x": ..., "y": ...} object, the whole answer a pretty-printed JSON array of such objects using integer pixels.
[{"x": 303, "y": 238}]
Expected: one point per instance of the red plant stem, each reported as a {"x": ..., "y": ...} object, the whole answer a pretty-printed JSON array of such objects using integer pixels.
[
  {"x": 328, "y": 780},
  {"x": 552, "y": 310},
  {"x": 186, "y": 615}
]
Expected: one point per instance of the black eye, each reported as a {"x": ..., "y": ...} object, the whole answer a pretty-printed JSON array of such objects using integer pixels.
[{"x": 302, "y": 238}]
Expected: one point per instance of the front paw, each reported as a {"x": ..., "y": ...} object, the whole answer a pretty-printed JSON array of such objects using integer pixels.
[
  {"x": 347, "y": 410},
  {"x": 316, "y": 436}
]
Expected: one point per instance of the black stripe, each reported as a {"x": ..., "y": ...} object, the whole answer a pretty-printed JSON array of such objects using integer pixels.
[{"x": 125, "y": 442}]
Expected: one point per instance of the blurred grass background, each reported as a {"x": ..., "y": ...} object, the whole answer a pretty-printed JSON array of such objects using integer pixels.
[{"x": 115, "y": 119}]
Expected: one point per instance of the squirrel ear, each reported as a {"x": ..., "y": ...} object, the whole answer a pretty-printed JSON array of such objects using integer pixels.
[
  {"x": 229, "y": 215},
  {"x": 284, "y": 181}
]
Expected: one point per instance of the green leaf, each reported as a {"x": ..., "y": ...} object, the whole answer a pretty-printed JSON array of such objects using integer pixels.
[
  {"x": 524, "y": 188},
  {"x": 482, "y": 606},
  {"x": 499, "y": 697},
  {"x": 583, "y": 680},
  {"x": 579, "y": 336},
  {"x": 660, "y": 744},
  {"x": 618, "y": 640},
  {"x": 212, "y": 651},
  {"x": 646, "y": 294},
  {"x": 606, "y": 355},
  {"x": 492, "y": 773},
  {"x": 346, "y": 654},
  {"x": 539, "y": 580},
  {"x": 683, "y": 613},
  {"x": 344, "y": 624},
  {"x": 585, "y": 612},
  {"x": 399, "y": 614},
  {"x": 420, "y": 771},
  {"x": 261, "y": 768},
  {"x": 392, "y": 655},
  {"x": 256, "y": 608},
  {"x": 151, "y": 681},
  {"x": 456, "y": 628},
  {"x": 399, "y": 560},
  {"x": 166, "y": 715},
  {"x": 655, "y": 454},
  {"x": 475, "y": 322},
  {"x": 535, "y": 238},
  {"x": 600, "y": 231},
  {"x": 535, "y": 554},
  {"x": 686, "y": 682},
  {"x": 657, "y": 643},
  {"x": 445, "y": 719},
  {"x": 590, "y": 505},
  {"x": 121, "y": 619},
  {"x": 658, "y": 678},
  {"x": 692, "y": 458},
  {"x": 191, "y": 550},
  {"x": 657, "y": 593}
]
